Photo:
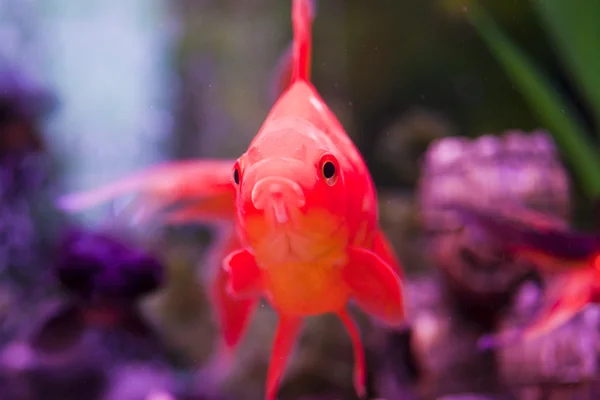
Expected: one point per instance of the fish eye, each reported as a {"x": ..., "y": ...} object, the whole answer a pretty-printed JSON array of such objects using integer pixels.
[
  {"x": 329, "y": 170},
  {"x": 236, "y": 175}
]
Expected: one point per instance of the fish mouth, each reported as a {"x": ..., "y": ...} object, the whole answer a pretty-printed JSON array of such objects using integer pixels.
[
  {"x": 279, "y": 212},
  {"x": 280, "y": 198}
]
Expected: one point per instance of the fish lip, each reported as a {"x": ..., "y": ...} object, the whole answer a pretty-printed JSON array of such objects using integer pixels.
[{"x": 269, "y": 190}]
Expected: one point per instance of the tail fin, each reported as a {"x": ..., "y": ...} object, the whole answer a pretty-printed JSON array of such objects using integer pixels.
[
  {"x": 302, "y": 17},
  {"x": 203, "y": 184}
]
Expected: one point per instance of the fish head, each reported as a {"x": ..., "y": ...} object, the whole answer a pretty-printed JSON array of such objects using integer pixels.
[{"x": 290, "y": 190}]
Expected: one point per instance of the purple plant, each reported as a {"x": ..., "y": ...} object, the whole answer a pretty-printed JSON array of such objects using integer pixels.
[
  {"x": 104, "y": 277},
  {"x": 77, "y": 347},
  {"x": 99, "y": 269},
  {"x": 21, "y": 95},
  {"x": 24, "y": 170}
]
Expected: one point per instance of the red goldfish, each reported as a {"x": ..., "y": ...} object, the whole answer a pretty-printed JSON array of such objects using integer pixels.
[
  {"x": 554, "y": 249},
  {"x": 308, "y": 219},
  {"x": 305, "y": 212}
]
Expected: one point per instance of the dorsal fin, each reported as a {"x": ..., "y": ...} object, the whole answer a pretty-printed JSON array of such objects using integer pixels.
[
  {"x": 302, "y": 24},
  {"x": 295, "y": 62}
]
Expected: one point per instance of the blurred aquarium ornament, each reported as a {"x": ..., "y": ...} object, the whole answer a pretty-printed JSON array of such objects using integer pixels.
[
  {"x": 109, "y": 63},
  {"x": 511, "y": 172}
]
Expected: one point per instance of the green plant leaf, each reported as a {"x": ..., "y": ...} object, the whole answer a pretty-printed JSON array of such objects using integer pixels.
[
  {"x": 574, "y": 26},
  {"x": 544, "y": 100}
]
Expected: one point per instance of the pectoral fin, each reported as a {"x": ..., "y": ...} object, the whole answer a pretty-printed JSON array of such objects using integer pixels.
[
  {"x": 374, "y": 285},
  {"x": 245, "y": 276},
  {"x": 233, "y": 313},
  {"x": 383, "y": 248}
]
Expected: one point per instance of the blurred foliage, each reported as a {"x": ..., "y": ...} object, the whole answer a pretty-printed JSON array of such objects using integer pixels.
[
  {"x": 373, "y": 63},
  {"x": 410, "y": 54},
  {"x": 573, "y": 28}
]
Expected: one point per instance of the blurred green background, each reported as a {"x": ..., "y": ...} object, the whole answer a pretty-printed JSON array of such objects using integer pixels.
[
  {"x": 163, "y": 79},
  {"x": 397, "y": 73}
]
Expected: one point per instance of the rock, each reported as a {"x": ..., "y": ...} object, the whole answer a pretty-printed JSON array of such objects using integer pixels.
[
  {"x": 516, "y": 169},
  {"x": 439, "y": 356},
  {"x": 566, "y": 357}
]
